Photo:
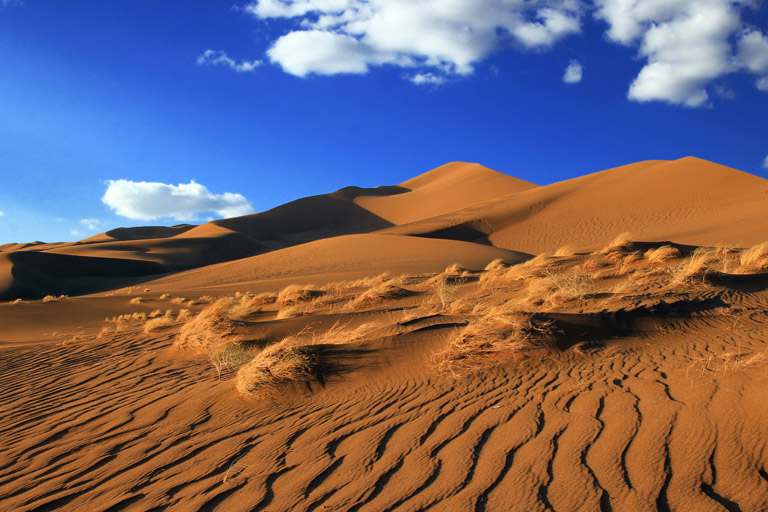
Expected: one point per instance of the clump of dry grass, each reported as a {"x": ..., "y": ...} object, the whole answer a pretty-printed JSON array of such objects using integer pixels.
[
  {"x": 164, "y": 296},
  {"x": 289, "y": 312},
  {"x": 16, "y": 301},
  {"x": 262, "y": 299},
  {"x": 229, "y": 356},
  {"x": 496, "y": 264},
  {"x": 136, "y": 300},
  {"x": 178, "y": 300},
  {"x": 155, "y": 324},
  {"x": 49, "y": 298},
  {"x": 696, "y": 266},
  {"x": 571, "y": 285},
  {"x": 379, "y": 293},
  {"x": 508, "y": 332},
  {"x": 565, "y": 251},
  {"x": 662, "y": 254},
  {"x": 283, "y": 362},
  {"x": 728, "y": 362},
  {"x": 184, "y": 315},
  {"x": 294, "y": 294},
  {"x": 455, "y": 269},
  {"x": 620, "y": 243},
  {"x": 213, "y": 326},
  {"x": 755, "y": 257},
  {"x": 156, "y": 313},
  {"x": 341, "y": 334}
]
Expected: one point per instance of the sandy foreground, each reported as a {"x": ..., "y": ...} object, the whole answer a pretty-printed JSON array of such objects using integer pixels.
[{"x": 329, "y": 355}]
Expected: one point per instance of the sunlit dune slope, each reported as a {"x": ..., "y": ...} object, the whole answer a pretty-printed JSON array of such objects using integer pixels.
[{"x": 688, "y": 200}]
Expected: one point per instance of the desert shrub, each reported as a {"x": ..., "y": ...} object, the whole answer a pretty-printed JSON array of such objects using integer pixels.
[
  {"x": 227, "y": 357},
  {"x": 620, "y": 243},
  {"x": 496, "y": 264},
  {"x": 213, "y": 326},
  {"x": 155, "y": 313},
  {"x": 139, "y": 316},
  {"x": 755, "y": 257},
  {"x": 571, "y": 285},
  {"x": 184, "y": 315},
  {"x": 294, "y": 294},
  {"x": 288, "y": 360},
  {"x": 157, "y": 323},
  {"x": 136, "y": 300},
  {"x": 507, "y": 332},
  {"x": 662, "y": 254},
  {"x": 447, "y": 290},
  {"x": 164, "y": 296},
  {"x": 696, "y": 266},
  {"x": 377, "y": 294},
  {"x": 455, "y": 269},
  {"x": 178, "y": 300},
  {"x": 565, "y": 251},
  {"x": 289, "y": 312}
]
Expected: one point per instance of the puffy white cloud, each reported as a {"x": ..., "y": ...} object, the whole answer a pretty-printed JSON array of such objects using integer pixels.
[
  {"x": 765, "y": 163},
  {"x": 573, "y": 73},
  {"x": 686, "y": 44},
  {"x": 220, "y": 58},
  {"x": 440, "y": 37},
  {"x": 151, "y": 200},
  {"x": 753, "y": 51},
  {"x": 427, "y": 79}
]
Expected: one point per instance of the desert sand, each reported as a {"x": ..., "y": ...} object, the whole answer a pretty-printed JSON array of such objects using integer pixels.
[{"x": 464, "y": 340}]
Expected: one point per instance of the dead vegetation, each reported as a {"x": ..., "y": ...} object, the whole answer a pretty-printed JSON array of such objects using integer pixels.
[{"x": 213, "y": 326}]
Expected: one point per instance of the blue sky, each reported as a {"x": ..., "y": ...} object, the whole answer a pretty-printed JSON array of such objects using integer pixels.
[{"x": 106, "y": 108}]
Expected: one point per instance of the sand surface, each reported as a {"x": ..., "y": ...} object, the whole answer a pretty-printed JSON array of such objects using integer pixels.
[{"x": 639, "y": 384}]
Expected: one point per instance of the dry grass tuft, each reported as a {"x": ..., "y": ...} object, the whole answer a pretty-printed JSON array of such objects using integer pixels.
[
  {"x": 663, "y": 254},
  {"x": 156, "y": 313},
  {"x": 455, "y": 269},
  {"x": 294, "y": 294},
  {"x": 288, "y": 360},
  {"x": 164, "y": 296},
  {"x": 213, "y": 326},
  {"x": 696, "y": 266},
  {"x": 571, "y": 285},
  {"x": 620, "y": 243},
  {"x": 340, "y": 334},
  {"x": 755, "y": 257},
  {"x": 184, "y": 315},
  {"x": 259, "y": 301},
  {"x": 565, "y": 251},
  {"x": 49, "y": 298},
  {"x": 384, "y": 291},
  {"x": 155, "y": 324},
  {"x": 496, "y": 264},
  {"x": 494, "y": 333},
  {"x": 16, "y": 301},
  {"x": 178, "y": 300},
  {"x": 136, "y": 300},
  {"x": 289, "y": 312}
]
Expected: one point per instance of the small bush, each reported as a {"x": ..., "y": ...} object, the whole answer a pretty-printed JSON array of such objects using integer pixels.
[
  {"x": 662, "y": 254},
  {"x": 755, "y": 257},
  {"x": 213, "y": 326},
  {"x": 283, "y": 362}
]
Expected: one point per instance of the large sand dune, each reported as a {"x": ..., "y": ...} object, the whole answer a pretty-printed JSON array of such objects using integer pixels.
[{"x": 612, "y": 375}]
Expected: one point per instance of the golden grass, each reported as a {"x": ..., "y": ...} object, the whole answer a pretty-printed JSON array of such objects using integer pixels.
[
  {"x": 213, "y": 326},
  {"x": 565, "y": 251},
  {"x": 496, "y": 264},
  {"x": 379, "y": 293},
  {"x": 662, "y": 254},
  {"x": 455, "y": 269},
  {"x": 288, "y": 312},
  {"x": 496, "y": 332},
  {"x": 697, "y": 265},
  {"x": 156, "y": 313},
  {"x": 259, "y": 301},
  {"x": 620, "y": 243},
  {"x": 755, "y": 257},
  {"x": 136, "y": 300},
  {"x": 164, "y": 296},
  {"x": 570, "y": 285},
  {"x": 294, "y": 294},
  {"x": 49, "y": 298},
  {"x": 341, "y": 334},
  {"x": 184, "y": 315},
  {"x": 155, "y": 324},
  {"x": 178, "y": 300},
  {"x": 286, "y": 361}
]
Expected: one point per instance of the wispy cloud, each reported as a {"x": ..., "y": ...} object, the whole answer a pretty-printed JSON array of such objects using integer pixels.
[
  {"x": 92, "y": 224},
  {"x": 220, "y": 58},
  {"x": 427, "y": 79},
  {"x": 765, "y": 163},
  {"x": 2, "y": 213},
  {"x": 573, "y": 73},
  {"x": 144, "y": 200}
]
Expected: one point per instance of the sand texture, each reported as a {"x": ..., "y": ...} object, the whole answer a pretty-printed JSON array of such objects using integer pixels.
[{"x": 462, "y": 341}]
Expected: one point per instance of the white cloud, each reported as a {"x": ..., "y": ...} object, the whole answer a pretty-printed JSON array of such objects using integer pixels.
[
  {"x": 150, "y": 200},
  {"x": 685, "y": 43},
  {"x": 753, "y": 51},
  {"x": 75, "y": 232},
  {"x": 220, "y": 58},
  {"x": 762, "y": 83},
  {"x": 573, "y": 73},
  {"x": 92, "y": 224},
  {"x": 765, "y": 163},
  {"x": 439, "y": 37},
  {"x": 427, "y": 79}
]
